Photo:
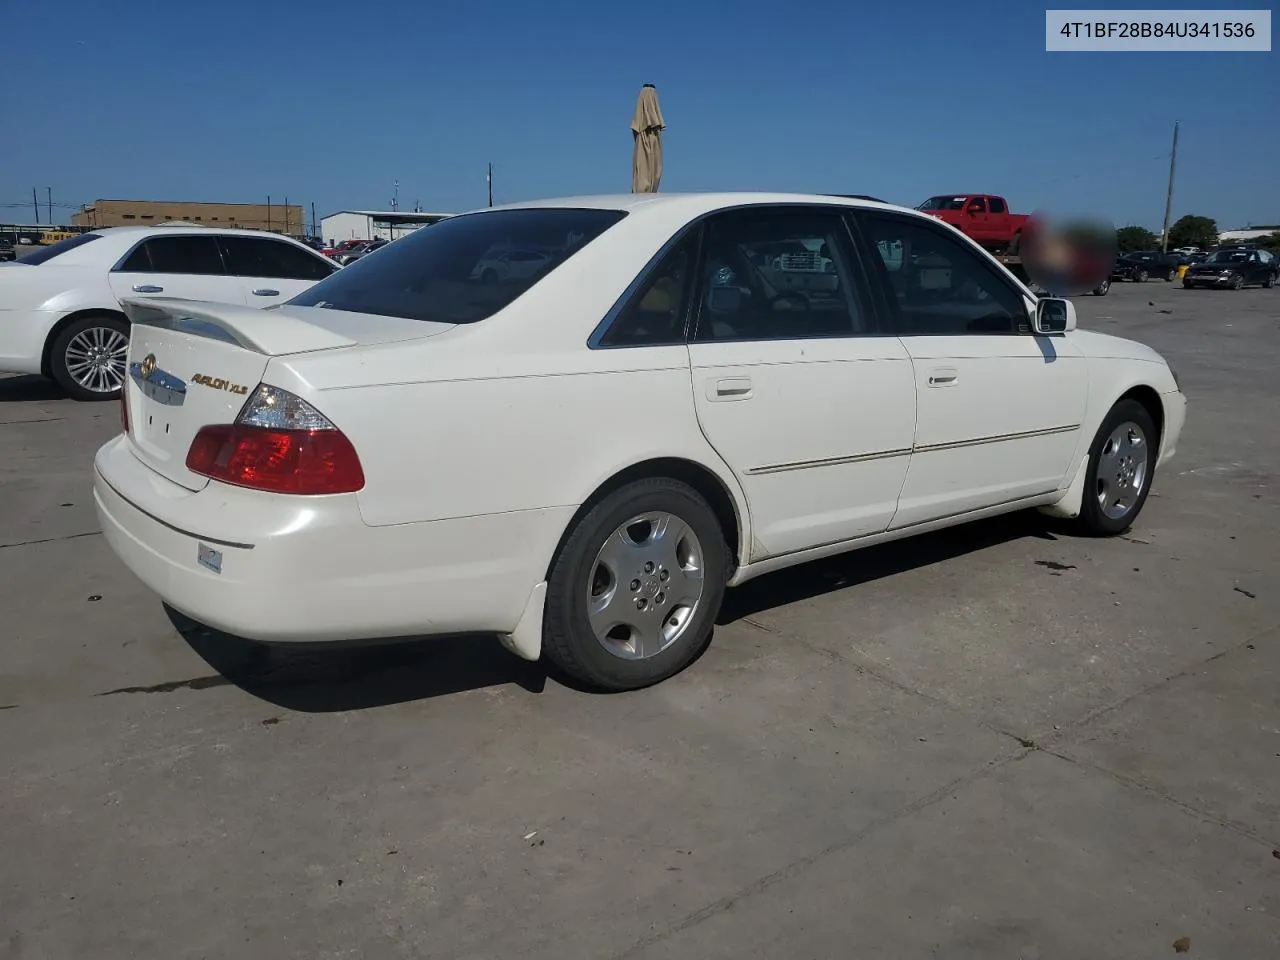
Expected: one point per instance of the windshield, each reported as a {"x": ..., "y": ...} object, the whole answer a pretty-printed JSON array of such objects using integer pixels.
[
  {"x": 457, "y": 271},
  {"x": 942, "y": 203},
  {"x": 45, "y": 254},
  {"x": 1229, "y": 256}
]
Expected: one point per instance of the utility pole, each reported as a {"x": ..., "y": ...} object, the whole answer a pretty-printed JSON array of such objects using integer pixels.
[
  {"x": 268, "y": 213},
  {"x": 313, "y": 219},
  {"x": 49, "y": 193},
  {"x": 35, "y": 202},
  {"x": 490, "y": 179},
  {"x": 286, "y": 216},
  {"x": 1168, "y": 198}
]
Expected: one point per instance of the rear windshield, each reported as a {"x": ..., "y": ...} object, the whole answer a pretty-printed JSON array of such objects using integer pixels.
[
  {"x": 463, "y": 269},
  {"x": 45, "y": 254}
]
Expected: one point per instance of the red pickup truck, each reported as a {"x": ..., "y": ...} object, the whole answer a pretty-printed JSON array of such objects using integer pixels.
[{"x": 983, "y": 217}]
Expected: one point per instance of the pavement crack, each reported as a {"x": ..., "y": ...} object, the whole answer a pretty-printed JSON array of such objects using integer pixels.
[
  {"x": 195, "y": 683},
  {"x": 799, "y": 865},
  {"x": 1248, "y": 643},
  {"x": 70, "y": 536},
  {"x": 1200, "y": 813}
]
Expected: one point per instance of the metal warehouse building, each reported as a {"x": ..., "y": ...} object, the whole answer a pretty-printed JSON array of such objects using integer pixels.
[{"x": 373, "y": 224}]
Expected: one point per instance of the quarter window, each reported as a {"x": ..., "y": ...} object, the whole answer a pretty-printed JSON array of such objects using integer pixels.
[
  {"x": 251, "y": 257},
  {"x": 995, "y": 204},
  {"x": 778, "y": 275},
  {"x": 940, "y": 287},
  {"x": 655, "y": 314},
  {"x": 191, "y": 255}
]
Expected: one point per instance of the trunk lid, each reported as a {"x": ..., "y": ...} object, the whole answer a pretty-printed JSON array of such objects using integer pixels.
[{"x": 192, "y": 364}]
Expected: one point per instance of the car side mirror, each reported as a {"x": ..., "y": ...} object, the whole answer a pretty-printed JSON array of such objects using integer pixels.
[
  {"x": 975, "y": 208},
  {"x": 1054, "y": 315}
]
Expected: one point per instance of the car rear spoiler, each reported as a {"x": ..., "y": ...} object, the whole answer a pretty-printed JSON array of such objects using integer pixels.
[{"x": 268, "y": 332}]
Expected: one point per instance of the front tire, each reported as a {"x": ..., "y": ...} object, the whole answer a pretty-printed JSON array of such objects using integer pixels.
[
  {"x": 1171, "y": 276},
  {"x": 634, "y": 591},
  {"x": 1187, "y": 284},
  {"x": 1237, "y": 281},
  {"x": 88, "y": 358},
  {"x": 1140, "y": 277},
  {"x": 1102, "y": 289},
  {"x": 1122, "y": 461}
]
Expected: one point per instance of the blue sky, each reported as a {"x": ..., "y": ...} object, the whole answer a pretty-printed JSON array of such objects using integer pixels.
[{"x": 330, "y": 102}]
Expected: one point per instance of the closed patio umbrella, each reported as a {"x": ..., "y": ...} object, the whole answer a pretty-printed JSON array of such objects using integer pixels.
[{"x": 646, "y": 130}]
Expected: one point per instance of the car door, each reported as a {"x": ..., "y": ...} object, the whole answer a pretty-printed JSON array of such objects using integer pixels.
[
  {"x": 270, "y": 270},
  {"x": 998, "y": 410},
  {"x": 977, "y": 220},
  {"x": 808, "y": 402},
  {"x": 187, "y": 266}
]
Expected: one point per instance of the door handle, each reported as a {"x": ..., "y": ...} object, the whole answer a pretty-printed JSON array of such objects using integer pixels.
[
  {"x": 943, "y": 376},
  {"x": 264, "y": 292},
  {"x": 147, "y": 288},
  {"x": 733, "y": 388}
]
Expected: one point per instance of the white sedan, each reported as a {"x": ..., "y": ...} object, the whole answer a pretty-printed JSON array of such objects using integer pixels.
[
  {"x": 582, "y": 460},
  {"x": 60, "y": 313}
]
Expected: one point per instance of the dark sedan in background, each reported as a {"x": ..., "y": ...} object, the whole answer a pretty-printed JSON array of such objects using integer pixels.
[
  {"x": 1233, "y": 269},
  {"x": 1144, "y": 265}
]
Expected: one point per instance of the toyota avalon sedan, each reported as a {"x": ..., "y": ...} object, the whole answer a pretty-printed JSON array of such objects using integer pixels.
[{"x": 582, "y": 458}]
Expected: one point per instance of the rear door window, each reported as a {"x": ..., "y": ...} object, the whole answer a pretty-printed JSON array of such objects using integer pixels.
[
  {"x": 437, "y": 273},
  {"x": 261, "y": 257}
]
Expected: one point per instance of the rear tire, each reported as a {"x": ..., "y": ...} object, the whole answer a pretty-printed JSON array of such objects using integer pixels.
[
  {"x": 1187, "y": 284},
  {"x": 1102, "y": 289},
  {"x": 1140, "y": 277},
  {"x": 1268, "y": 283},
  {"x": 1171, "y": 276},
  {"x": 621, "y": 610},
  {"x": 89, "y": 358},
  {"x": 1122, "y": 461}
]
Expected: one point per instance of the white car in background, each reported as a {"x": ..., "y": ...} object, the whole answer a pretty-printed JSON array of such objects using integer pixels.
[
  {"x": 582, "y": 460},
  {"x": 60, "y": 313}
]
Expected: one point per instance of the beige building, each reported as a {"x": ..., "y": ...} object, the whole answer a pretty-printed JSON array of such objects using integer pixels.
[{"x": 277, "y": 217}]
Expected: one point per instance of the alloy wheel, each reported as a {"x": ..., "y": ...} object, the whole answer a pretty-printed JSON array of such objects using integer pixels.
[
  {"x": 645, "y": 585},
  {"x": 1122, "y": 470},
  {"x": 95, "y": 358}
]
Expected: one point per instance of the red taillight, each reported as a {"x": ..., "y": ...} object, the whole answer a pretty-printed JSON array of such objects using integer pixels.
[{"x": 280, "y": 461}]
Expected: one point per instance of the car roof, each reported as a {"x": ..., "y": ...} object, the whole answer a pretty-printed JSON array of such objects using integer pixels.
[
  {"x": 195, "y": 228},
  {"x": 690, "y": 204}
]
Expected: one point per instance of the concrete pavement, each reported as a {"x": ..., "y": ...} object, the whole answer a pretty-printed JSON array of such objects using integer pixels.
[{"x": 997, "y": 741}]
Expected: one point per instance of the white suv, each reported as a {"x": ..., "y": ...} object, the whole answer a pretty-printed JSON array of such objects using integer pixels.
[{"x": 60, "y": 313}]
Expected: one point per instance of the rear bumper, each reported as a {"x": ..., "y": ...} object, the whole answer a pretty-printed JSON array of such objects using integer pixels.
[
  {"x": 307, "y": 569},
  {"x": 22, "y": 337}
]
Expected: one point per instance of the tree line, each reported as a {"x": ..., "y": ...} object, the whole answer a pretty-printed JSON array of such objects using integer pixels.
[{"x": 1189, "y": 231}]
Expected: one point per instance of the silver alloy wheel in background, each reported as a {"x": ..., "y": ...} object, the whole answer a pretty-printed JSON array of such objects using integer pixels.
[
  {"x": 95, "y": 358},
  {"x": 1122, "y": 470},
  {"x": 645, "y": 585}
]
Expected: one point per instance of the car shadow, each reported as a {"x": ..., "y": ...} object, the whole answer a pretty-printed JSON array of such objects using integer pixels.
[
  {"x": 28, "y": 388},
  {"x": 844, "y": 570},
  {"x": 327, "y": 677}
]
